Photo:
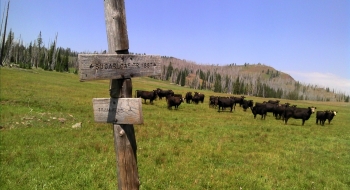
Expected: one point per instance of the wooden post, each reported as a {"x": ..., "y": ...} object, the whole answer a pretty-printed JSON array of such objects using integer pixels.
[
  {"x": 124, "y": 134},
  {"x": 120, "y": 109}
]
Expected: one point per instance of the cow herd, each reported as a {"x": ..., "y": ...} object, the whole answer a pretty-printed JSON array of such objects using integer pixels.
[
  {"x": 280, "y": 111},
  {"x": 173, "y": 100}
]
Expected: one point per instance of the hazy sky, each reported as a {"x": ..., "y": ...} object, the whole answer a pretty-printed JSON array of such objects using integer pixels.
[{"x": 308, "y": 39}]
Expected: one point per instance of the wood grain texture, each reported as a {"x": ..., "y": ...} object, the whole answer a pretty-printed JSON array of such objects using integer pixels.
[
  {"x": 120, "y": 86},
  {"x": 117, "y": 32},
  {"x": 118, "y": 110},
  {"x": 117, "y": 66},
  {"x": 126, "y": 157}
]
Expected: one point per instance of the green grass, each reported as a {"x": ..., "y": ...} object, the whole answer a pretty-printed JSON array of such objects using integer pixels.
[{"x": 194, "y": 147}]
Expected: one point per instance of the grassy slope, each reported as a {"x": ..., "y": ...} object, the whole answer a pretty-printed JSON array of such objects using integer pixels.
[{"x": 194, "y": 147}]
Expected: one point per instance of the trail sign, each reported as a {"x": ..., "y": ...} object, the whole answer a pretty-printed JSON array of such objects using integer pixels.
[
  {"x": 121, "y": 110},
  {"x": 117, "y": 66},
  {"x": 118, "y": 110}
]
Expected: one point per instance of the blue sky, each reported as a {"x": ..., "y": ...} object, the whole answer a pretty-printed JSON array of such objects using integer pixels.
[{"x": 308, "y": 39}]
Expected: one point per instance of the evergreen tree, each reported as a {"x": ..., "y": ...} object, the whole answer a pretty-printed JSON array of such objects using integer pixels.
[
  {"x": 50, "y": 60},
  {"x": 7, "y": 55},
  {"x": 183, "y": 78},
  {"x": 178, "y": 79},
  {"x": 58, "y": 66},
  {"x": 217, "y": 85},
  {"x": 227, "y": 83},
  {"x": 236, "y": 86},
  {"x": 30, "y": 54},
  {"x": 204, "y": 85},
  {"x": 66, "y": 61},
  {"x": 39, "y": 56},
  {"x": 169, "y": 71},
  {"x": 241, "y": 88}
]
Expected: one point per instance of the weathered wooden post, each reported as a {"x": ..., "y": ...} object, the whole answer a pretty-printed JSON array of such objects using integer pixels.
[
  {"x": 121, "y": 110},
  {"x": 124, "y": 135}
]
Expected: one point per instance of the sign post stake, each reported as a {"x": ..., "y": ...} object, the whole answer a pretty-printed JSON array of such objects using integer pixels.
[
  {"x": 120, "y": 109},
  {"x": 124, "y": 134}
]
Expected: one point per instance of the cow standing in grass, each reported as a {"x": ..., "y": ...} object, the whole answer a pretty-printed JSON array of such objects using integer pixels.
[
  {"x": 188, "y": 97},
  {"x": 213, "y": 101},
  {"x": 164, "y": 93},
  {"x": 198, "y": 97},
  {"x": 146, "y": 95},
  {"x": 279, "y": 110},
  {"x": 322, "y": 116},
  {"x": 331, "y": 116},
  {"x": 259, "y": 109},
  {"x": 247, "y": 104},
  {"x": 224, "y": 102},
  {"x": 239, "y": 100},
  {"x": 174, "y": 101},
  {"x": 298, "y": 113}
]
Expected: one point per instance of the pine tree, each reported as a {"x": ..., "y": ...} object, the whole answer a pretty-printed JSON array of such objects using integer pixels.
[
  {"x": 169, "y": 71},
  {"x": 39, "y": 56},
  {"x": 217, "y": 85},
  {"x": 30, "y": 54},
  {"x": 66, "y": 61},
  {"x": 58, "y": 65},
  {"x": 183, "y": 78},
  {"x": 7, "y": 55},
  {"x": 178, "y": 79},
  {"x": 236, "y": 86}
]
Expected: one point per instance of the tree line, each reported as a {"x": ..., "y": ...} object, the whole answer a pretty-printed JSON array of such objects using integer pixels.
[
  {"x": 37, "y": 55},
  {"x": 248, "y": 79}
]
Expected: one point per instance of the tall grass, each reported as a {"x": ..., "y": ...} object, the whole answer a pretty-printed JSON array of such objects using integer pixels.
[{"x": 194, "y": 147}]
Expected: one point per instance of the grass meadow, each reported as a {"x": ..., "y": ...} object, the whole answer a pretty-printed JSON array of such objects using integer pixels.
[{"x": 194, "y": 147}]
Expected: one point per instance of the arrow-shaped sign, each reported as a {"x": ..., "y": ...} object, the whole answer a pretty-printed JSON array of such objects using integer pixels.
[{"x": 117, "y": 66}]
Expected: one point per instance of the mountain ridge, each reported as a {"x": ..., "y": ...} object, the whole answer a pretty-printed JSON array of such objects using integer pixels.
[{"x": 247, "y": 79}]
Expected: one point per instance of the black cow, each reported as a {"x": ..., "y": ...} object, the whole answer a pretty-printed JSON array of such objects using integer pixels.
[
  {"x": 164, "y": 93},
  {"x": 274, "y": 101},
  {"x": 174, "y": 101},
  {"x": 268, "y": 106},
  {"x": 259, "y": 104},
  {"x": 213, "y": 101},
  {"x": 239, "y": 100},
  {"x": 322, "y": 116},
  {"x": 298, "y": 113},
  {"x": 247, "y": 104},
  {"x": 279, "y": 110},
  {"x": 225, "y": 102},
  {"x": 260, "y": 109},
  {"x": 175, "y": 95},
  {"x": 331, "y": 116},
  {"x": 151, "y": 95},
  {"x": 188, "y": 97},
  {"x": 198, "y": 97}
]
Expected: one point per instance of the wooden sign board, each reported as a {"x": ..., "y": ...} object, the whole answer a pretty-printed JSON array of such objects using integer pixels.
[
  {"x": 118, "y": 110},
  {"x": 117, "y": 66}
]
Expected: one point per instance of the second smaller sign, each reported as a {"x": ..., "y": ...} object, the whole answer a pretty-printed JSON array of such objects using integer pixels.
[{"x": 118, "y": 110}]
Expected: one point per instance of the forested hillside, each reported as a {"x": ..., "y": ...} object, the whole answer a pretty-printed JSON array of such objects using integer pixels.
[{"x": 249, "y": 79}]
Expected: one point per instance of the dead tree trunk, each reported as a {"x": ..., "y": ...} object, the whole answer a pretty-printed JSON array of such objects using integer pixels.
[{"x": 2, "y": 53}]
